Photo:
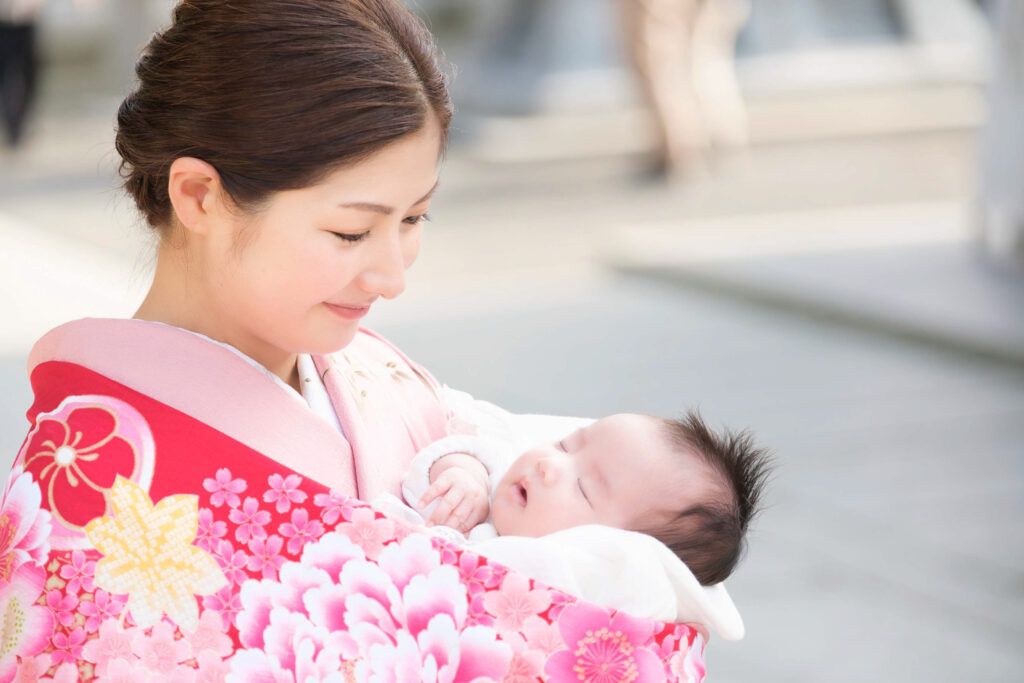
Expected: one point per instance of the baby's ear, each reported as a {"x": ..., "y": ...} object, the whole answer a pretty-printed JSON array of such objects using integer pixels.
[{"x": 194, "y": 189}]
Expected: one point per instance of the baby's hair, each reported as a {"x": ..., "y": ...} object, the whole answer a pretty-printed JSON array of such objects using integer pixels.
[{"x": 710, "y": 537}]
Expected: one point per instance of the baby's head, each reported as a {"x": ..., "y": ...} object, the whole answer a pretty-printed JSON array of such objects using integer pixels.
[{"x": 678, "y": 481}]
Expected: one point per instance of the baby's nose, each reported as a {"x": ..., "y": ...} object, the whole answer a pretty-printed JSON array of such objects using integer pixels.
[{"x": 548, "y": 470}]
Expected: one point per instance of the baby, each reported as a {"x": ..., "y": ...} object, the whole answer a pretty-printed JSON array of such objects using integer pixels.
[{"x": 676, "y": 480}]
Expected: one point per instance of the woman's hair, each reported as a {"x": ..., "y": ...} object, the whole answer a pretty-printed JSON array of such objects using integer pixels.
[{"x": 275, "y": 94}]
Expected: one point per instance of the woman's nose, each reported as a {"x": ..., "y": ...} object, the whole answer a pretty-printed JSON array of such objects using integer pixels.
[{"x": 385, "y": 275}]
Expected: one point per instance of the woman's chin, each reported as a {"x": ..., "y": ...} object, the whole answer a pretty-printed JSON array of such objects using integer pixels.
[{"x": 332, "y": 341}]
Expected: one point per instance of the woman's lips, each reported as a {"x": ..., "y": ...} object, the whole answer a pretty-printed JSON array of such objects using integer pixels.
[{"x": 348, "y": 312}]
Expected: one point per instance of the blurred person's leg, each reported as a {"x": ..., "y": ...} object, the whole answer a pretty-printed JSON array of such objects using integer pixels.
[
  {"x": 717, "y": 26},
  {"x": 659, "y": 41},
  {"x": 17, "y": 76},
  {"x": 1001, "y": 195}
]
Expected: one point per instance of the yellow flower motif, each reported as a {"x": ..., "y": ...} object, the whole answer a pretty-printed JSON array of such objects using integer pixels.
[{"x": 148, "y": 554}]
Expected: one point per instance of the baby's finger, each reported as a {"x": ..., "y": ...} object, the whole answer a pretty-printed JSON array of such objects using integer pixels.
[
  {"x": 460, "y": 517},
  {"x": 433, "y": 491},
  {"x": 448, "y": 503},
  {"x": 442, "y": 509}
]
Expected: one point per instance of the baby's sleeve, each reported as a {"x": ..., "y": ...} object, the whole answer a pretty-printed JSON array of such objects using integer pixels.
[
  {"x": 492, "y": 454},
  {"x": 468, "y": 415}
]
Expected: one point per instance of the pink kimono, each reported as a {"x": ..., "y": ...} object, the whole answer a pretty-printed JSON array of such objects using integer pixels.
[{"x": 175, "y": 515}]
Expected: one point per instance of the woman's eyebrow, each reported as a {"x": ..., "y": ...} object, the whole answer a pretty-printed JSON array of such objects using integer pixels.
[{"x": 383, "y": 209}]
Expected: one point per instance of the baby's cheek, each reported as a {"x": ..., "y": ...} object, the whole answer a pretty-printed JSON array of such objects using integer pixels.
[{"x": 499, "y": 518}]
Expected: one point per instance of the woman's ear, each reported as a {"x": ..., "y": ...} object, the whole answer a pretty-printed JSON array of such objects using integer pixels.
[{"x": 194, "y": 188}]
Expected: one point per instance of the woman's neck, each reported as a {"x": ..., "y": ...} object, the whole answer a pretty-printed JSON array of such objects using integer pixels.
[{"x": 172, "y": 300}]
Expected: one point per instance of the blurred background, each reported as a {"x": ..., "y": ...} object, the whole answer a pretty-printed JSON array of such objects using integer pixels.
[{"x": 803, "y": 217}]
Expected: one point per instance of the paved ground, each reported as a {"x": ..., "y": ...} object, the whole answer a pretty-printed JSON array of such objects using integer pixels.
[{"x": 892, "y": 545}]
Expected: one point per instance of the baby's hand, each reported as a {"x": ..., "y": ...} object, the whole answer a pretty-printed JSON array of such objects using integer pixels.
[{"x": 463, "y": 496}]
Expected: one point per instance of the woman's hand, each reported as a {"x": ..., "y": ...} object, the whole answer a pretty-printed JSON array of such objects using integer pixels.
[{"x": 461, "y": 483}]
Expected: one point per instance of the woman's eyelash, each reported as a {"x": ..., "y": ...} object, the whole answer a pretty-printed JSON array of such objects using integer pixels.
[
  {"x": 350, "y": 237},
  {"x": 411, "y": 220}
]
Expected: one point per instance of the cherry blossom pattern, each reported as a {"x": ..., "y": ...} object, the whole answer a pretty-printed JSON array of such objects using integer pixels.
[
  {"x": 542, "y": 636},
  {"x": 476, "y": 574},
  {"x": 334, "y": 506},
  {"x": 112, "y": 642},
  {"x": 284, "y": 491},
  {"x": 250, "y": 520},
  {"x": 210, "y": 636},
  {"x": 225, "y": 602},
  {"x": 265, "y": 556},
  {"x": 515, "y": 602},
  {"x": 65, "y": 673},
  {"x": 209, "y": 531},
  {"x": 34, "y": 669},
  {"x": 601, "y": 648},
  {"x": 368, "y": 531},
  {"x": 160, "y": 653},
  {"x": 232, "y": 562},
  {"x": 63, "y": 607},
  {"x": 67, "y": 647},
  {"x": 300, "y": 530},
  {"x": 24, "y": 527},
  {"x": 559, "y": 601},
  {"x": 102, "y": 607},
  {"x": 527, "y": 665},
  {"x": 223, "y": 488},
  {"x": 76, "y": 452},
  {"x": 78, "y": 572},
  {"x": 338, "y": 610}
]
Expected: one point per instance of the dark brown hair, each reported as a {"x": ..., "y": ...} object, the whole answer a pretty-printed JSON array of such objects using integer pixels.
[
  {"x": 275, "y": 94},
  {"x": 710, "y": 537}
]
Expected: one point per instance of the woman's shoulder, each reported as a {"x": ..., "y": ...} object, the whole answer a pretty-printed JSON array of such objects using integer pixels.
[{"x": 104, "y": 341}]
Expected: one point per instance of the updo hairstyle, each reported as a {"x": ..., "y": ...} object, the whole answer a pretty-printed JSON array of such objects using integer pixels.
[{"x": 275, "y": 94}]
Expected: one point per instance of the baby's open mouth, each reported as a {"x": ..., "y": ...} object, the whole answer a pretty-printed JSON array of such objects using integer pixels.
[{"x": 521, "y": 494}]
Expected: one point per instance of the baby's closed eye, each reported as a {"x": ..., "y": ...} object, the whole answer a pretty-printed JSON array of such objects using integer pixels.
[{"x": 579, "y": 485}]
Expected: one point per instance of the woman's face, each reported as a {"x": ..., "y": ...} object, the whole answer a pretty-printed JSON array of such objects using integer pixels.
[{"x": 298, "y": 276}]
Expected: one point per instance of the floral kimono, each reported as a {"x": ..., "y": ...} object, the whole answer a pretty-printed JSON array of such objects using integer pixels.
[{"x": 175, "y": 515}]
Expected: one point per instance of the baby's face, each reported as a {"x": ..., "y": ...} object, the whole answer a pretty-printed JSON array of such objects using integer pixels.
[{"x": 619, "y": 471}]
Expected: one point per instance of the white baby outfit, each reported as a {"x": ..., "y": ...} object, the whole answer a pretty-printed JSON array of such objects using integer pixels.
[{"x": 612, "y": 567}]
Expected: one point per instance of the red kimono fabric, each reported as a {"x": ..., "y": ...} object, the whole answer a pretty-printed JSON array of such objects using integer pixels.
[{"x": 140, "y": 543}]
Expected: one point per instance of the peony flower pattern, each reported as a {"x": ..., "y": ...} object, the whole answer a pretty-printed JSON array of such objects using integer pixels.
[
  {"x": 75, "y": 454},
  {"x": 332, "y": 591},
  {"x": 337, "y": 610},
  {"x": 26, "y": 625},
  {"x": 148, "y": 554},
  {"x": 24, "y": 527}
]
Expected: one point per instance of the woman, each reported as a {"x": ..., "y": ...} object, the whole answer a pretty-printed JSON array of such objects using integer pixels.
[{"x": 185, "y": 504}]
